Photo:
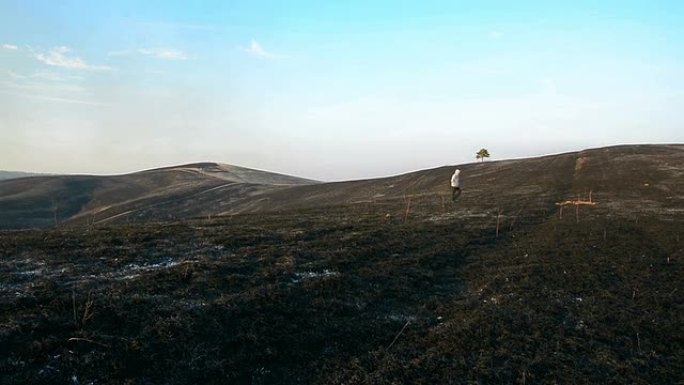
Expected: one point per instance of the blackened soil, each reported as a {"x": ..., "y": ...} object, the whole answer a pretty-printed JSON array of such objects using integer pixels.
[{"x": 348, "y": 295}]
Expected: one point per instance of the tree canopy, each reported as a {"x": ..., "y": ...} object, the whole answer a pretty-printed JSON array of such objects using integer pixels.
[{"x": 482, "y": 154}]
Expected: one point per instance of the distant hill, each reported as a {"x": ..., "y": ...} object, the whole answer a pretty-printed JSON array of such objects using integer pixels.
[
  {"x": 165, "y": 193},
  {"x": 4, "y": 175},
  {"x": 625, "y": 179}
]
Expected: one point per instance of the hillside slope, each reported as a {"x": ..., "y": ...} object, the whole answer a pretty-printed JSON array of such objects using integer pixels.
[
  {"x": 4, "y": 175},
  {"x": 322, "y": 286},
  {"x": 624, "y": 179},
  {"x": 154, "y": 194},
  {"x": 346, "y": 295}
]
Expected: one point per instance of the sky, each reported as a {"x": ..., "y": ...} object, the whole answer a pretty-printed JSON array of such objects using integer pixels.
[{"x": 331, "y": 90}]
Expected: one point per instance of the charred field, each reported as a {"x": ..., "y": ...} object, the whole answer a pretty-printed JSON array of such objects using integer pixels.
[{"x": 349, "y": 295}]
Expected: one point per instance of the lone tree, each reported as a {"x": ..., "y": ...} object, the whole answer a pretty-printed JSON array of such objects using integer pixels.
[{"x": 482, "y": 154}]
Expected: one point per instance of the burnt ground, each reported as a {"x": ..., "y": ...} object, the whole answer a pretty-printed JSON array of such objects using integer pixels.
[
  {"x": 628, "y": 178},
  {"x": 349, "y": 295}
]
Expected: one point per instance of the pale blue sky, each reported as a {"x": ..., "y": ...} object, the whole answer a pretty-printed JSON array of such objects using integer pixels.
[{"x": 331, "y": 90}]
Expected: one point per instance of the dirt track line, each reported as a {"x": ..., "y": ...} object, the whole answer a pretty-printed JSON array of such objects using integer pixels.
[
  {"x": 98, "y": 210},
  {"x": 162, "y": 203}
]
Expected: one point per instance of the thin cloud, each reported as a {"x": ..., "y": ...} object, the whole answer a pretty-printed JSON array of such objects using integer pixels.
[
  {"x": 255, "y": 49},
  {"x": 160, "y": 53},
  {"x": 45, "y": 75},
  {"x": 170, "y": 54},
  {"x": 58, "y": 56},
  {"x": 11, "y": 47},
  {"x": 42, "y": 87},
  {"x": 54, "y": 99},
  {"x": 12, "y": 75}
]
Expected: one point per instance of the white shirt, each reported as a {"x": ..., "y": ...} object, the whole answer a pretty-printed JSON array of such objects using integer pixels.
[{"x": 455, "y": 179}]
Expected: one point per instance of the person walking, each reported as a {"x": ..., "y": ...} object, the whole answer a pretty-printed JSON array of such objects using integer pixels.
[{"x": 455, "y": 185}]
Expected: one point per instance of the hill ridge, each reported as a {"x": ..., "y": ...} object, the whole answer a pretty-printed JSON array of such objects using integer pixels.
[{"x": 627, "y": 178}]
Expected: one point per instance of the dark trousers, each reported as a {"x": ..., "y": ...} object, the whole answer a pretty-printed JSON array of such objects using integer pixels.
[{"x": 455, "y": 193}]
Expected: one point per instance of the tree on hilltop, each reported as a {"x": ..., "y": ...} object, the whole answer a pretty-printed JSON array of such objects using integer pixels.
[{"x": 482, "y": 154}]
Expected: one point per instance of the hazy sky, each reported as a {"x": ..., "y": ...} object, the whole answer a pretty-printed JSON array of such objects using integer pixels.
[{"x": 331, "y": 90}]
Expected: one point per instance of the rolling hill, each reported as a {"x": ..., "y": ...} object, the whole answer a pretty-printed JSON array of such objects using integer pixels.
[
  {"x": 163, "y": 193},
  {"x": 630, "y": 178},
  {"x": 627, "y": 178},
  {"x": 380, "y": 281},
  {"x": 4, "y": 175}
]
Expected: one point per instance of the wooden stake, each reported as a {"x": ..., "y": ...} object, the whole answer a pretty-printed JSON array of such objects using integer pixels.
[
  {"x": 73, "y": 305},
  {"x": 408, "y": 208},
  {"x": 498, "y": 217}
]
